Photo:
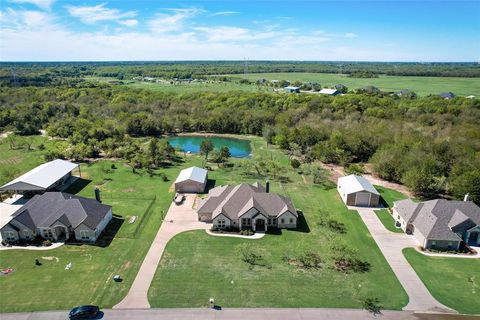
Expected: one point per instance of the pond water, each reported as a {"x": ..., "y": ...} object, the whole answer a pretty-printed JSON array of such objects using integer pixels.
[{"x": 239, "y": 148}]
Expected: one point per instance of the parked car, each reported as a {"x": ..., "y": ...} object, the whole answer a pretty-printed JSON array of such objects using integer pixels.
[
  {"x": 178, "y": 198},
  {"x": 84, "y": 312}
]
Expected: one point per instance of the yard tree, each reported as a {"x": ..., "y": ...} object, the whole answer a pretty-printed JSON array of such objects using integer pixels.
[
  {"x": 225, "y": 153},
  {"x": 153, "y": 152},
  {"x": 206, "y": 147}
]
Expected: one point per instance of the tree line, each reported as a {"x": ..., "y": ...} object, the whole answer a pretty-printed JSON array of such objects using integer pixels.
[{"x": 430, "y": 144}]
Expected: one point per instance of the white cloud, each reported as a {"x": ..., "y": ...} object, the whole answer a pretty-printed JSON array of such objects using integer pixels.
[
  {"x": 26, "y": 19},
  {"x": 93, "y": 14},
  {"x": 351, "y": 35},
  {"x": 174, "y": 21},
  {"x": 235, "y": 34},
  {"x": 129, "y": 22},
  {"x": 224, "y": 13},
  {"x": 43, "y": 4}
]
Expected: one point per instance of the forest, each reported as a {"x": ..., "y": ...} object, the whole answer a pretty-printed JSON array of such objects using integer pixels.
[
  {"x": 430, "y": 144},
  {"x": 49, "y": 73}
]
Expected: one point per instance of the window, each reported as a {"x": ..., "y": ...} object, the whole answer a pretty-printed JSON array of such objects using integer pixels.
[
  {"x": 269, "y": 221},
  {"x": 282, "y": 220},
  {"x": 291, "y": 220},
  {"x": 450, "y": 244},
  {"x": 47, "y": 233},
  {"x": 221, "y": 223},
  {"x": 434, "y": 243},
  {"x": 274, "y": 221},
  {"x": 10, "y": 235},
  {"x": 84, "y": 234},
  {"x": 244, "y": 221}
]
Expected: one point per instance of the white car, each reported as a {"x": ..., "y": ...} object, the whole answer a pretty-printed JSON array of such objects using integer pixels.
[{"x": 178, "y": 198}]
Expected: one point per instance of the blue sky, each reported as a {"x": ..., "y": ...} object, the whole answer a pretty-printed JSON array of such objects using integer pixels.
[{"x": 62, "y": 30}]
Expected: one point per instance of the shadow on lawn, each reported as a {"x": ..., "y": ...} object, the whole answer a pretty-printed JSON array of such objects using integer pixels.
[
  {"x": 78, "y": 186},
  {"x": 210, "y": 185},
  {"x": 302, "y": 225}
]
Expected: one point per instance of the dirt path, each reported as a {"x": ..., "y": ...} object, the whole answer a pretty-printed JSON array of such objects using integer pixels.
[{"x": 337, "y": 171}]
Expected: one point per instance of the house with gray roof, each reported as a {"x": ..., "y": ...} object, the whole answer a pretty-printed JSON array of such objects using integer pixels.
[
  {"x": 439, "y": 224},
  {"x": 48, "y": 176},
  {"x": 58, "y": 216},
  {"x": 247, "y": 206}
]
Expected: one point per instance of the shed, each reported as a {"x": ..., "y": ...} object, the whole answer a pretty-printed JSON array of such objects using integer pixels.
[
  {"x": 357, "y": 191},
  {"x": 292, "y": 89},
  {"x": 45, "y": 177},
  {"x": 191, "y": 180},
  {"x": 330, "y": 92}
]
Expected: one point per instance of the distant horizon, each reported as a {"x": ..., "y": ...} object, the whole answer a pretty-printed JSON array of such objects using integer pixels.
[{"x": 242, "y": 61}]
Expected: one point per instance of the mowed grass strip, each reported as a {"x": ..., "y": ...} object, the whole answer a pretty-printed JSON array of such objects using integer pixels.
[
  {"x": 453, "y": 281},
  {"x": 196, "y": 266}
]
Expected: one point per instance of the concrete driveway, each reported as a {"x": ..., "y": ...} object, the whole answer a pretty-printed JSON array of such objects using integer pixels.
[
  {"x": 178, "y": 219},
  {"x": 391, "y": 244}
]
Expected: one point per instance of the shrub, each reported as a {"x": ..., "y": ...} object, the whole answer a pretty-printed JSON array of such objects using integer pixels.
[
  {"x": 372, "y": 305},
  {"x": 310, "y": 260},
  {"x": 47, "y": 243},
  {"x": 336, "y": 226},
  {"x": 347, "y": 265},
  {"x": 354, "y": 168},
  {"x": 252, "y": 256},
  {"x": 164, "y": 177},
  {"x": 295, "y": 163}
]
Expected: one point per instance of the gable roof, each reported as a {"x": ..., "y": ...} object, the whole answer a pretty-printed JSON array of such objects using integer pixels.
[
  {"x": 435, "y": 219},
  {"x": 233, "y": 201},
  {"x": 329, "y": 91},
  {"x": 352, "y": 183},
  {"x": 41, "y": 177},
  {"x": 194, "y": 174},
  {"x": 42, "y": 211}
]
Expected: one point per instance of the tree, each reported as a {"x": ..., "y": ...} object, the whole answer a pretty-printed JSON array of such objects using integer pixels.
[
  {"x": 153, "y": 152},
  {"x": 225, "y": 153},
  {"x": 206, "y": 147},
  {"x": 320, "y": 176},
  {"x": 12, "y": 140},
  {"x": 295, "y": 163}
]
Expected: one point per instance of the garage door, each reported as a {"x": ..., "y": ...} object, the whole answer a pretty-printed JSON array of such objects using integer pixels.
[{"x": 363, "y": 199}]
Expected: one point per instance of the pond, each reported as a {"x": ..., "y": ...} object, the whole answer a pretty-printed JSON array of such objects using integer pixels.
[{"x": 239, "y": 148}]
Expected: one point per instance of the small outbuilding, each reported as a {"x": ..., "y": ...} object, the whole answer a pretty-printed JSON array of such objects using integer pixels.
[
  {"x": 53, "y": 175},
  {"x": 330, "y": 92},
  {"x": 292, "y": 89},
  {"x": 191, "y": 180},
  {"x": 357, "y": 191}
]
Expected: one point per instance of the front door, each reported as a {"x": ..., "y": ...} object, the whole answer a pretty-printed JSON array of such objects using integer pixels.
[{"x": 260, "y": 225}]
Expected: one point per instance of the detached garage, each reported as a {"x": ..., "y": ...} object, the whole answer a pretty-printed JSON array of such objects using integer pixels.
[
  {"x": 357, "y": 191},
  {"x": 191, "y": 180}
]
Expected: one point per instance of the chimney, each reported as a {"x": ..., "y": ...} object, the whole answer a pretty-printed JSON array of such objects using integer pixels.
[
  {"x": 97, "y": 195},
  {"x": 467, "y": 197},
  {"x": 267, "y": 186}
]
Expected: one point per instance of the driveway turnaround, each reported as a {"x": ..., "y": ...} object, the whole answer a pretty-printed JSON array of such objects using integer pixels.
[
  {"x": 241, "y": 314},
  {"x": 179, "y": 218},
  {"x": 391, "y": 244}
]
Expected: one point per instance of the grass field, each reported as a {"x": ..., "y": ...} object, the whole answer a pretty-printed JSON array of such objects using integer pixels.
[
  {"x": 196, "y": 266},
  {"x": 387, "y": 220},
  {"x": 421, "y": 85},
  {"x": 455, "y": 282},
  {"x": 89, "y": 280}
]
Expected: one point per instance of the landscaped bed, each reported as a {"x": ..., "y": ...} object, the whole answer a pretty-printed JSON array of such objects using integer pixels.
[{"x": 453, "y": 281}]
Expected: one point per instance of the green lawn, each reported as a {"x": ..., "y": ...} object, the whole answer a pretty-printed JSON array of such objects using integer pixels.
[
  {"x": 89, "y": 280},
  {"x": 196, "y": 266},
  {"x": 387, "y": 220},
  {"x": 421, "y": 85},
  {"x": 455, "y": 282},
  {"x": 388, "y": 197}
]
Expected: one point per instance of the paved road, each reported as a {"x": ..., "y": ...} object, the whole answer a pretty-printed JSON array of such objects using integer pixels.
[
  {"x": 179, "y": 218},
  {"x": 391, "y": 244},
  {"x": 242, "y": 314}
]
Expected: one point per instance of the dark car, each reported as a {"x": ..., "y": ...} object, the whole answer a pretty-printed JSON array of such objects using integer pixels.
[{"x": 84, "y": 312}]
